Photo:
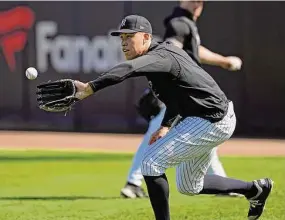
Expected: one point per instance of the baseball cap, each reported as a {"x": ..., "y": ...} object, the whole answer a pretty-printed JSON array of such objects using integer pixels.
[{"x": 133, "y": 24}]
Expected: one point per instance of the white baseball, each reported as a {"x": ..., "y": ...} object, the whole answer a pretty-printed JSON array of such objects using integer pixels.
[{"x": 31, "y": 73}]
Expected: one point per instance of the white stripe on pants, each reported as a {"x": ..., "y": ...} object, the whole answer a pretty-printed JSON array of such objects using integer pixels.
[{"x": 189, "y": 146}]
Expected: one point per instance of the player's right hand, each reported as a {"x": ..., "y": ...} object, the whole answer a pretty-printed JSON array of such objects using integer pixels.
[
  {"x": 161, "y": 132},
  {"x": 233, "y": 64}
]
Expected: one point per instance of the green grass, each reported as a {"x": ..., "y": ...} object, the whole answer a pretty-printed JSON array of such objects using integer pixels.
[{"x": 77, "y": 186}]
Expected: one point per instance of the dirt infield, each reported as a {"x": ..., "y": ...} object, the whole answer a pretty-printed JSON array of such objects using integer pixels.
[{"x": 123, "y": 143}]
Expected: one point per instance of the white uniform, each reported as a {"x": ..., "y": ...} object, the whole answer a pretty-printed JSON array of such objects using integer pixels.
[{"x": 135, "y": 176}]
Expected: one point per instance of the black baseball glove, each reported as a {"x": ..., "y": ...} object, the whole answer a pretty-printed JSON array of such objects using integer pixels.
[
  {"x": 149, "y": 105},
  {"x": 57, "y": 96}
]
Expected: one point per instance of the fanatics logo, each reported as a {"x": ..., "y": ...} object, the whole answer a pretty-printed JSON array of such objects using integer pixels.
[{"x": 14, "y": 25}]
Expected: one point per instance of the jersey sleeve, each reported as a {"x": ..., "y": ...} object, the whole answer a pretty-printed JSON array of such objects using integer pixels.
[{"x": 141, "y": 66}]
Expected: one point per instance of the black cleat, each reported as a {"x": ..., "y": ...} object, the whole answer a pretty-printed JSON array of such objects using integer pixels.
[
  {"x": 131, "y": 191},
  {"x": 257, "y": 203}
]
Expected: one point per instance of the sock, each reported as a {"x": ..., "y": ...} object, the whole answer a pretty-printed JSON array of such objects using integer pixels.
[
  {"x": 214, "y": 184},
  {"x": 158, "y": 191}
]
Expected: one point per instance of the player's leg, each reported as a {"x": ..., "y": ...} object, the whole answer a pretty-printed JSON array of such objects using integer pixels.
[
  {"x": 216, "y": 166},
  {"x": 201, "y": 142},
  {"x": 156, "y": 160},
  {"x": 135, "y": 176},
  {"x": 193, "y": 139},
  {"x": 191, "y": 178},
  {"x": 169, "y": 151},
  {"x": 133, "y": 189}
]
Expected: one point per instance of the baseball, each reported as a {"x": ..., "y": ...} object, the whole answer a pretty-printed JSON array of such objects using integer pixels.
[{"x": 31, "y": 73}]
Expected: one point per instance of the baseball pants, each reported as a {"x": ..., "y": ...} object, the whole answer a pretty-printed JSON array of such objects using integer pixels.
[
  {"x": 190, "y": 146},
  {"x": 135, "y": 175}
]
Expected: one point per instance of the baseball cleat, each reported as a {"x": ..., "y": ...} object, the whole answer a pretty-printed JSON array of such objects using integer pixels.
[
  {"x": 257, "y": 203},
  {"x": 131, "y": 191}
]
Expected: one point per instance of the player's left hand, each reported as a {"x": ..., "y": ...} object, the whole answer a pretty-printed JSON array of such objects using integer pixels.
[
  {"x": 233, "y": 63},
  {"x": 162, "y": 131},
  {"x": 83, "y": 90}
]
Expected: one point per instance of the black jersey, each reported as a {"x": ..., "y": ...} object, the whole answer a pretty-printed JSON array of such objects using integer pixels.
[{"x": 183, "y": 86}]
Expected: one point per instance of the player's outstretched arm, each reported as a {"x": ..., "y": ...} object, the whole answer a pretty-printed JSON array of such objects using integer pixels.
[
  {"x": 141, "y": 66},
  {"x": 208, "y": 57}
]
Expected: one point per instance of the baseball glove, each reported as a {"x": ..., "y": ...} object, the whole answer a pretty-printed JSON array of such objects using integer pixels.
[{"x": 57, "y": 96}]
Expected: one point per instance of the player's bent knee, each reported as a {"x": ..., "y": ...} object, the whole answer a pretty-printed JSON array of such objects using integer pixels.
[
  {"x": 150, "y": 168},
  {"x": 190, "y": 191}
]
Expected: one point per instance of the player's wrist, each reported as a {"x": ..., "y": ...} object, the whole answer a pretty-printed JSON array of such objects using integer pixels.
[
  {"x": 225, "y": 63},
  {"x": 83, "y": 90}
]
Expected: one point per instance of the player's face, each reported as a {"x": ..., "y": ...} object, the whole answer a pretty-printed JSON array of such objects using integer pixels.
[
  {"x": 132, "y": 45},
  {"x": 196, "y": 7}
]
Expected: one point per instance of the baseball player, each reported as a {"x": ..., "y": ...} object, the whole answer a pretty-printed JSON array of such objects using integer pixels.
[
  {"x": 181, "y": 30},
  {"x": 198, "y": 118}
]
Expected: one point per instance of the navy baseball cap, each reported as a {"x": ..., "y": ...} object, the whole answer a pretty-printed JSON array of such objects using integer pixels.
[{"x": 133, "y": 24}]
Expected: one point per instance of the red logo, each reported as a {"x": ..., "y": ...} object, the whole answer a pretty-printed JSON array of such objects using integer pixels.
[{"x": 14, "y": 25}]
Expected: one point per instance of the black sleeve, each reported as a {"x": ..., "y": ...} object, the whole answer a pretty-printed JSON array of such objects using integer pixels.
[
  {"x": 178, "y": 30},
  {"x": 141, "y": 66}
]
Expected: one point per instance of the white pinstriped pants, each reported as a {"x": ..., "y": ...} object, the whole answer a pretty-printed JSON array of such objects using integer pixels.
[{"x": 189, "y": 146}]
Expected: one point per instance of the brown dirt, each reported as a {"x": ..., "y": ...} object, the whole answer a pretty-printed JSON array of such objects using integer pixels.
[{"x": 123, "y": 143}]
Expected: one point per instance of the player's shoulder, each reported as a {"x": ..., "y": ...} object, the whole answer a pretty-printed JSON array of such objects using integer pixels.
[
  {"x": 168, "y": 49},
  {"x": 178, "y": 25},
  {"x": 178, "y": 21}
]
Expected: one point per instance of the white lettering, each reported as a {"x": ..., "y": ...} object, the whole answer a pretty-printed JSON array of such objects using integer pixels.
[
  {"x": 63, "y": 57},
  {"x": 43, "y": 45},
  {"x": 75, "y": 54}
]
